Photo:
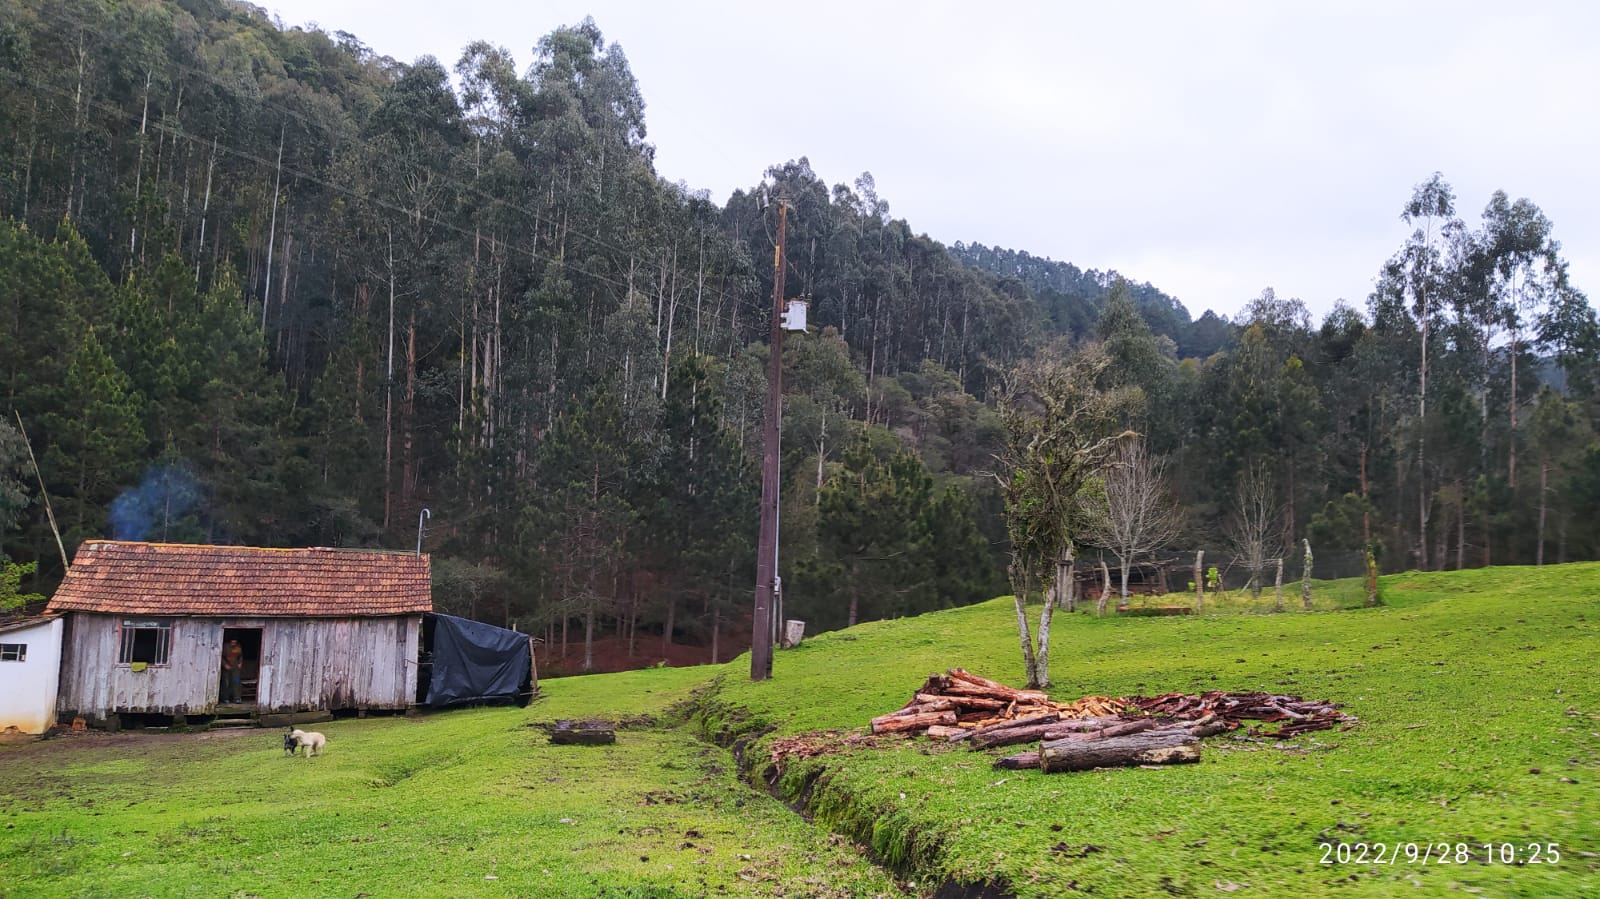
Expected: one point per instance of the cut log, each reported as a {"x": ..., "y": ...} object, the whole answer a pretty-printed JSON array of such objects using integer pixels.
[
  {"x": 1209, "y": 726},
  {"x": 952, "y": 734},
  {"x": 1042, "y": 718},
  {"x": 1138, "y": 725},
  {"x": 1019, "y": 761},
  {"x": 1009, "y": 736},
  {"x": 583, "y": 733},
  {"x": 1119, "y": 752},
  {"x": 963, "y": 682},
  {"x": 1081, "y": 725},
  {"x": 892, "y": 724},
  {"x": 928, "y": 704},
  {"x": 979, "y": 703}
]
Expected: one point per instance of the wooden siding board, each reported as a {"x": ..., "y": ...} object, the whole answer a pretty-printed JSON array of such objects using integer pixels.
[{"x": 306, "y": 663}]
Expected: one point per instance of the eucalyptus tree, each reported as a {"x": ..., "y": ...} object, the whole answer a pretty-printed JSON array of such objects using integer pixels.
[
  {"x": 1523, "y": 268},
  {"x": 1418, "y": 272}
]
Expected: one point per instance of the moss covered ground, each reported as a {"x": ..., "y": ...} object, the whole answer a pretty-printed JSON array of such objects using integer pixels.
[{"x": 1478, "y": 693}]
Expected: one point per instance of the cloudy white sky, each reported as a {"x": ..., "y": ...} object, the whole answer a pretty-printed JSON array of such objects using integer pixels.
[{"x": 1212, "y": 149}]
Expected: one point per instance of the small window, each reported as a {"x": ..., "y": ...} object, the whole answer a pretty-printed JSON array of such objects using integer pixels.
[
  {"x": 13, "y": 652},
  {"x": 145, "y": 641}
]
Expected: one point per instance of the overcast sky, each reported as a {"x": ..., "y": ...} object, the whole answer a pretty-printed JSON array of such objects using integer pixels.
[{"x": 1212, "y": 149}]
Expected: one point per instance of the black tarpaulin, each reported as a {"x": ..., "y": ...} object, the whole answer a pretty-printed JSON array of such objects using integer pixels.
[{"x": 476, "y": 662}]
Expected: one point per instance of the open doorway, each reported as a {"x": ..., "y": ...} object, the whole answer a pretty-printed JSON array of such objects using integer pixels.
[{"x": 249, "y": 653}]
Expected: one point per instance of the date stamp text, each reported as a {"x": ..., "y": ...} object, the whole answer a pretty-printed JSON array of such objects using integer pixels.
[{"x": 1441, "y": 853}]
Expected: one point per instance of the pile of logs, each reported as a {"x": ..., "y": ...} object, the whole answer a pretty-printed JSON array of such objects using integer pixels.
[
  {"x": 1096, "y": 744},
  {"x": 1303, "y": 715},
  {"x": 1095, "y": 731},
  {"x": 956, "y": 705}
]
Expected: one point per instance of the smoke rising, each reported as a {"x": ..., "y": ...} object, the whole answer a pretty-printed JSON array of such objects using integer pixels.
[{"x": 152, "y": 509}]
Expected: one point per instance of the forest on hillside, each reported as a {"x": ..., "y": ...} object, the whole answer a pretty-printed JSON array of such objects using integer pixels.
[{"x": 266, "y": 286}]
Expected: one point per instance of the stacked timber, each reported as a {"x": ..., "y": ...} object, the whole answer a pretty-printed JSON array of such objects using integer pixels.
[
  {"x": 1096, "y": 731},
  {"x": 1144, "y": 741},
  {"x": 1302, "y": 715},
  {"x": 957, "y": 705}
]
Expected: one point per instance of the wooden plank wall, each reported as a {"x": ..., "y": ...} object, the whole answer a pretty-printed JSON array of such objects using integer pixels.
[
  {"x": 306, "y": 663},
  {"x": 339, "y": 663}
]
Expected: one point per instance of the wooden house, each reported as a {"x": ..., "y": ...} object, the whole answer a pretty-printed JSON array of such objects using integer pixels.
[
  {"x": 147, "y": 625},
  {"x": 30, "y": 660}
]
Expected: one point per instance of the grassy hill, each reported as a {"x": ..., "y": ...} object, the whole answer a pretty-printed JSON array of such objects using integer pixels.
[{"x": 1477, "y": 692}]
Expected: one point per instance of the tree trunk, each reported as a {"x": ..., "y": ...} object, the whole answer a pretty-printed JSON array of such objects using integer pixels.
[
  {"x": 1124, "y": 563},
  {"x": 388, "y": 403},
  {"x": 1042, "y": 660},
  {"x": 1511, "y": 438},
  {"x": 1115, "y": 752},
  {"x": 587, "y": 733},
  {"x": 1305, "y": 578},
  {"x": 1020, "y": 584},
  {"x": 408, "y": 414},
  {"x": 1199, "y": 581},
  {"x": 588, "y": 638},
  {"x": 1544, "y": 509},
  {"x": 138, "y": 171},
  {"x": 1277, "y": 586},
  {"x": 1105, "y": 588},
  {"x": 1372, "y": 578},
  {"x": 1461, "y": 525},
  {"x": 672, "y": 622},
  {"x": 716, "y": 631},
  {"x": 1422, "y": 468},
  {"x": 277, "y": 181}
]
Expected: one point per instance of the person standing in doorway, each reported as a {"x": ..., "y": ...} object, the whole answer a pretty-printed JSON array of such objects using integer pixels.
[{"x": 233, "y": 670}]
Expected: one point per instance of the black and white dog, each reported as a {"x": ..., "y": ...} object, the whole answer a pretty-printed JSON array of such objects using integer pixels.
[{"x": 310, "y": 739}]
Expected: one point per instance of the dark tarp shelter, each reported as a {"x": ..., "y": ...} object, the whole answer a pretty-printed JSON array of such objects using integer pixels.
[{"x": 476, "y": 662}]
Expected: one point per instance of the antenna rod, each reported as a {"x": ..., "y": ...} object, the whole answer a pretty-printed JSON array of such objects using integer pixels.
[
  {"x": 424, "y": 515},
  {"x": 49, "y": 512}
]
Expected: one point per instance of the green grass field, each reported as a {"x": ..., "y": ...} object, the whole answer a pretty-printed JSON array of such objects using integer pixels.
[{"x": 1465, "y": 683}]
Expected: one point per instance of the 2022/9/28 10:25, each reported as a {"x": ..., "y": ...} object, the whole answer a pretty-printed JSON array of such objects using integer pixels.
[{"x": 1440, "y": 853}]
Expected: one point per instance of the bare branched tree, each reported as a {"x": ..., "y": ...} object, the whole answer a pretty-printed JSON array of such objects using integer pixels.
[
  {"x": 1133, "y": 513},
  {"x": 1253, "y": 528}
]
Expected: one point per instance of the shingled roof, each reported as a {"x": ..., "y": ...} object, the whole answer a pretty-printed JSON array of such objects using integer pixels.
[{"x": 122, "y": 578}]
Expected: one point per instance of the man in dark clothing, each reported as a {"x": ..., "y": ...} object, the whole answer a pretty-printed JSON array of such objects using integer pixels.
[{"x": 233, "y": 670}]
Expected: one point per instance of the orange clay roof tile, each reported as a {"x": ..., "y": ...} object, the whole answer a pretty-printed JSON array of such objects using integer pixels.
[{"x": 123, "y": 578}]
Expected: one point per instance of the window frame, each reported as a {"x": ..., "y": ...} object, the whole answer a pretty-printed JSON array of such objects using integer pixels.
[
  {"x": 13, "y": 652},
  {"x": 127, "y": 637}
]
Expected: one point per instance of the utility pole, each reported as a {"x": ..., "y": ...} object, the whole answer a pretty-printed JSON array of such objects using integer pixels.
[{"x": 767, "y": 541}]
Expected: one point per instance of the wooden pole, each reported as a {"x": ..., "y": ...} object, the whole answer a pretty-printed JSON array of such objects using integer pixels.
[
  {"x": 767, "y": 543},
  {"x": 43, "y": 493},
  {"x": 533, "y": 667}
]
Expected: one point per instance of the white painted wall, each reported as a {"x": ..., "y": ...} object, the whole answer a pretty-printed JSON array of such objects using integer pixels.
[{"x": 28, "y": 688}]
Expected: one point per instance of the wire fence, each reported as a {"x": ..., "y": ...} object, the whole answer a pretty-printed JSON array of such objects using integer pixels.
[{"x": 1170, "y": 584}]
